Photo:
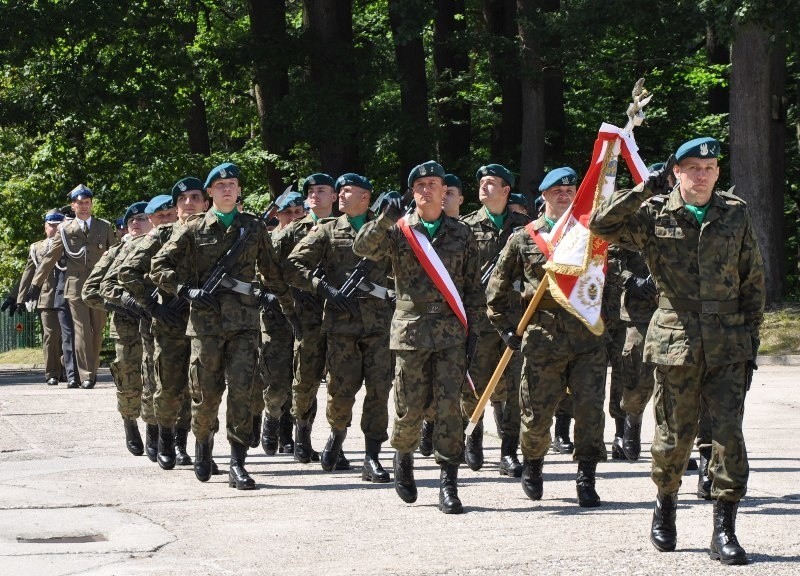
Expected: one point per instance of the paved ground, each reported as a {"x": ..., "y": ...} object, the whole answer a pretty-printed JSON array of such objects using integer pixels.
[{"x": 74, "y": 501}]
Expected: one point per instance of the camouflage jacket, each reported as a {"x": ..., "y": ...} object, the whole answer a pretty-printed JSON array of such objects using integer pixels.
[
  {"x": 110, "y": 288},
  {"x": 193, "y": 250},
  {"x": 612, "y": 290},
  {"x": 90, "y": 293},
  {"x": 633, "y": 308},
  {"x": 331, "y": 245},
  {"x": 422, "y": 318},
  {"x": 490, "y": 241},
  {"x": 710, "y": 277}
]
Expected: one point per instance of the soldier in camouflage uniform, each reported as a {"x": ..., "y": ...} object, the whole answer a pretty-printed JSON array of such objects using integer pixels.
[
  {"x": 430, "y": 342},
  {"x": 492, "y": 226},
  {"x": 223, "y": 322},
  {"x": 356, "y": 328},
  {"x": 309, "y": 352},
  {"x": 701, "y": 249},
  {"x": 558, "y": 351},
  {"x": 615, "y": 328}
]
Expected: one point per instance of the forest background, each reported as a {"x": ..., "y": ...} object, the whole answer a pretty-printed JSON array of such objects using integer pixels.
[{"x": 128, "y": 97}]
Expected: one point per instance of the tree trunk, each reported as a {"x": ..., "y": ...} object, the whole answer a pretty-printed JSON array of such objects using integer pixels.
[
  {"x": 533, "y": 103},
  {"x": 757, "y": 133},
  {"x": 196, "y": 121},
  {"x": 718, "y": 53}
]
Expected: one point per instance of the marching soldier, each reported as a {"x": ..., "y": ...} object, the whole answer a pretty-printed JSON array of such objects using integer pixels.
[
  {"x": 431, "y": 327},
  {"x": 559, "y": 351},
  {"x": 83, "y": 240},
  {"x": 356, "y": 326},
  {"x": 701, "y": 249},
  {"x": 223, "y": 319},
  {"x": 454, "y": 197}
]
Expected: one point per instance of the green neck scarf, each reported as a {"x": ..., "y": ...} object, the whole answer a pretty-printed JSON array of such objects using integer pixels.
[
  {"x": 357, "y": 221},
  {"x": 226, "y": 219},
  {"x": 314, "y": 217},
  {"x": 699, "y": 212},
  {"x": 432, "y": 227},
  {"x": 550, "y": 223},
  {"x": 497, "y": 219}
]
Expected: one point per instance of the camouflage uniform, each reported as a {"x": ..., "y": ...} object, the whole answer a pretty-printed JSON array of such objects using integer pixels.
[
  {"x": 710, "y": 280},
  {"x": 615, "y": 327},
  {"x": 427, "y": 337}
]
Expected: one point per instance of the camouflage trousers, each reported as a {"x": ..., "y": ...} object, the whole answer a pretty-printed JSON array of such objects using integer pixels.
[
  {"x": 638, "y": 375},
  {"x": 545, "y": 377},
  {"x": 490, "y": 348},
  {"x": 216, "y": 360},
  {"x": 679, "y": 392},
  {"x": 275, "y": 368},
  {"x": 424, "y": 378},
  {"x": 309, "y": 370},
  {"x": 148, "y": 373},
  {"x": 354, "y": 359},
  {"x": 133, "y": 400},
  {"x": 614, "y": 347},
  {"x": 173, "y": 403}
]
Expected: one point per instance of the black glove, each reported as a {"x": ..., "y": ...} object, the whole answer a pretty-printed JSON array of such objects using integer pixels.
[
  {"x": 164, "y": 314},
  {"x": 339, "y": 300},
  {"x": 472, "y": 345},
  {"x": 643, "y": 288},
  {"x": 393, "y": 206},
  {"x": 658, "y": 180},
  {"x": 511, "y": 339},
  {"x": 9, "y": 304},
  {"x": 130, "y": 304},
  {"x": 32, "y": 295},
  {"x": 751, "y": 364},
  {"x": 294, "y": 322},
  {"x": 303, "y": 299},
  {"x": 268, "y": 301},
  {"x": 198, "y": 296},
  {"x": 121, "y": 311}
]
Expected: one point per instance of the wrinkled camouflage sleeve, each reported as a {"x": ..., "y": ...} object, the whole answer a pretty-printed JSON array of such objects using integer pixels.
[
  {"x": 474, "y": 294},
  {"x": 270, "y": 271},
  {"x": 49, "y": 260},
  {"x": 620, "y": 219},
  {"x": 132, "y": 273},
  {"x": 170, "y": 265},
  {"x": 91, "y": 288},
  {"x": 752, "y": 290},
  {"x": 500, "y": 286},
  {"x": 300, "y": 265},
  {"x": 373, "y": 241},
  {"x": 110, "y": 288}
]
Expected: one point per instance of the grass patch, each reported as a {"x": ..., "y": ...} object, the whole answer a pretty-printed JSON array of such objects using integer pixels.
[
  {"x": 780, "y": 332},
  {"x": 22, "y": 356}
]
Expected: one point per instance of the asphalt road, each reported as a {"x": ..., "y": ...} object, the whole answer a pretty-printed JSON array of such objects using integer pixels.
[{"x": 74, "y": 501}]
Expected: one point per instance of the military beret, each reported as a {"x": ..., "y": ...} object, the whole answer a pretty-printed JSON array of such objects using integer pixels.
[
  {"x": 160, "y": 202},
  {"x": 225, "y": 170},
  {"x": 351, "y": 179},
  {"x": 429, "y": 168},
  {"x": 80, "y": 191},
  {"x": 564, "y": 176},
  {"x": 133, "y": 210},
  {"x": 316, "y": 179},
  {"x": 495, "y": 170},
  {"x": 517, "y": 198},
  {"x": 656, "y": 166},
  {"x": 291, "y": 199},
  {"x": 119, "y": 223},
  {"x": 53, "y": 216},
  {"x": 453, "y": 180},
  {"x": 186, "y": 184},
  {"x": 698, "y": 148}
]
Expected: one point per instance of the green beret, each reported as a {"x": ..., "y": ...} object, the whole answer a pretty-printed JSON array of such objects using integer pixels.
[
  {"x": 698, "y": 148},
  {"x": 352, "y": 179},
  {"x": 221, "y": 172},
  {"x": 80, "y": 191},
  {"x": 317, "y": 179},
  {"x": 184, "y": 185},
  {"x": 160, "y": 202},
  {"x": 429, "y": 168},
  {"x": 133, "y": 210},
  {"x": 495, "y": 170},
  {"x": 517, "y": 198},
  {"x": 564, "y": 176},
  {"x": 453, "y": 180}
]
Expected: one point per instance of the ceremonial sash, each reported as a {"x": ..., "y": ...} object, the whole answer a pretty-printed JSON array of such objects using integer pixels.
[
  {"x": 435, "y": 269},
  {"x": 539, "y": 239}
]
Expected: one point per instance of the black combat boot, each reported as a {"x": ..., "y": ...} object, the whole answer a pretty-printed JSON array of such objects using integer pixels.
[
  {"x": 724, "y": 544},
  {"x": 302, "y": 441},
  {"x": 285, "y": 441},
  {"x": 562, "y": 443},
  {"x": 332, "y": 450},
  {"x": 404, "y": 483},
  {"x": 663, "y": 533},
  {"x": 151, "y": 441},
  {"x": 373, "y": 471},
  {"x": 584, "y": 482},
  {"x": 617, "y": 451},
  {"x": 703, "y": 480},
  {"x": 632, "y": 437},
  {"x": 509, "y": 462},
  {"x": 255, "y": 435},
  {"x": 449, "y": 502},
  {"x": 166, "y": 447},
  {"x": 269, "y": 435},
  {"x": 532, "y": 482},
  {"x": 473, "y": 450},
  {"x": 497, "y": 411},
  {"x": 133, "y": 440},
  {"x": 342, "y": 463},
  {"x": 691, "y": 465},
  {"x": 202, "y": 458},
  {"x": 237, "y": 476},
  {"x": 182, "y": 458},
  {"x": 426, "y": 442}
]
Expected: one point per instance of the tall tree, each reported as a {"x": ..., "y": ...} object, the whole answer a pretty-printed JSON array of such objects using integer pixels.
[{"x": 533, "y": 100}]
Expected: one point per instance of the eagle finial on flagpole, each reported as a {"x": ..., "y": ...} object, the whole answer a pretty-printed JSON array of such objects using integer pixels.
[{"x": 635, "y": 113}]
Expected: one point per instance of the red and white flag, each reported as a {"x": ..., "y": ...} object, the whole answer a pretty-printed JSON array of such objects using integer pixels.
[{"x": 577, "y": 263}]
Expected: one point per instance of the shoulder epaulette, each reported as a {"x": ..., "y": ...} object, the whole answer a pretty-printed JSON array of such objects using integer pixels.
[{"x": 732, "y": 198}]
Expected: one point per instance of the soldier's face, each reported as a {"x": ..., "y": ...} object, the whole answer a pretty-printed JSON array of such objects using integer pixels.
[
  {"x": 290, "y": 214},
  {"x": 428, "y": 191},
  {"x": 321, "y": 197},
  {"x": 493, "y": 190},
  {"x": 697, "y": 177},
  {"x": 191, "y": 202},
  {"x": 557, "y": 199},
  {"x": 50, "y": 229},
  {"x": 167, "y": 216},
  {"x": 353, "y": 200},
  {"x": 452, "y": 201},
  {"x": 224, "y": 193},
  {"x": 82, "y": 208},
  {"x": 139, "y": 224}
]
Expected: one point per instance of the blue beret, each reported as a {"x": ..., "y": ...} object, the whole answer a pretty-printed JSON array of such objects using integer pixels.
[
  {"x": 453, "y": 180},
  {"x": 698, "y": 148},
  {"x": 291, "y": 199},
  {"x": 133, "y": 210},
  {"x": 184, "y": 185},
  {"x": 225, "y": 170},
  {"x": 429, "y": 168},
  {"x": 495, "y": 170},
  {"x": 317, "y": 179},
  {"x": 564, "y": 176},
  {"x": 517, "y": 198},
  {"x": 54, "y": 216},
  {"x": 160, "y": 202},
  {"x": 120, "y": 223},
  {"x": 656, "y": 166},
  {"x": 352, "y": 179},
  {"x": 80, "y": 191}
]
